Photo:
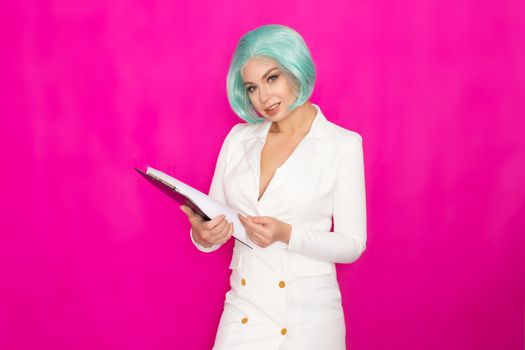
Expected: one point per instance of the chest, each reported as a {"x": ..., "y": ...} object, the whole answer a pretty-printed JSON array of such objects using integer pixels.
[
  {"x": 274, "y": 154},
  {"x": 284, "y": 185}
]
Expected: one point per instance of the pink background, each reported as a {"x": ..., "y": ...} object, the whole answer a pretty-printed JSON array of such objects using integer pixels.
[{"x": 93, "y": 257}]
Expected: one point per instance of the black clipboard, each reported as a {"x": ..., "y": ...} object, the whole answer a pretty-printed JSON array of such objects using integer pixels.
[{"x": 173, "y": 193}]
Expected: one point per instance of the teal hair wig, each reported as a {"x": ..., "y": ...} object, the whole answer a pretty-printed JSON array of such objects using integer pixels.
[{"x": 283, "y": 45}]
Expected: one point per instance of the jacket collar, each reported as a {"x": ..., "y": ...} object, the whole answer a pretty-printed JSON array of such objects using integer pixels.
[{"x": 316, "y": 130}]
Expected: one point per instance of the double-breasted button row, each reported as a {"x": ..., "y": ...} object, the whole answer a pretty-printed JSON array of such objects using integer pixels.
[
  {"x": 245, "y": 320},
  {"x": 282, "y": 284}
]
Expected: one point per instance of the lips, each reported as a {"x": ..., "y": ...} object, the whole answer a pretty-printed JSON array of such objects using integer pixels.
[{"x": 273, "y": 107}]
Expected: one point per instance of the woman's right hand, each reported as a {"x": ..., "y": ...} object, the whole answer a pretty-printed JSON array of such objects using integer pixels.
[{"x": 207, "y": 233}]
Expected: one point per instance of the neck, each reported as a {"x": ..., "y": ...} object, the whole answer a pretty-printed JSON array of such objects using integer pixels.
[{"x": 298, "y": 123}]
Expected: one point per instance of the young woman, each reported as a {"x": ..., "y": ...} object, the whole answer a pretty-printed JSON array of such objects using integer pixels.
[{"x": 289, "y": 171}]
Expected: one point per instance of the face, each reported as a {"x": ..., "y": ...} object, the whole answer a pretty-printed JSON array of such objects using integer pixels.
[{"x": 270, "y": 90}]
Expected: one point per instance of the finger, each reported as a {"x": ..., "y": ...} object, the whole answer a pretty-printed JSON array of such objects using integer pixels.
[
  {"x": 223, "y": 236},
  {"x": 255, "y": 238},
  {"x": 256, "y": 232},
  {"x": 223, "y": 226},
  {"x": 218, "y": 218},
  {"x": 209, "y": 225},
  {"x": 261, "y": 234},
  {"x": 221, "y": 229},
  {"x": 227, "y": 235},
  {"x": 248, "y": 226},
  {"x": 245, "y": 220},
  {"x": 257, "y": 241},
  {"x": 216, "y": 232},
  {"x": 251, "y": 237},
  {"x": 262, "y": 241},
  {"x": 261, "y": 219},
  {"x": 258, "y": 237},
  {"x": 189, "y": 211},
  {"x": 192, "y": 216},
  {"x": 256, "y": 228},
  {"x": 250, "y": 220},
  {"x": 186, "y": 210},
  {"x": 241, "y": 217}
]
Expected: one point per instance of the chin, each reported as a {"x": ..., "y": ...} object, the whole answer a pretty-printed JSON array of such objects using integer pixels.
[
  {"x": 273, "y": 118},
  {"x": 279, "y": 117}
]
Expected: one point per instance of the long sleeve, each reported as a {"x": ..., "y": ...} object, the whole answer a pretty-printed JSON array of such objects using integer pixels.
[
  {"x": 217, "y": 184},
  {"x": 348, "y": 241}
]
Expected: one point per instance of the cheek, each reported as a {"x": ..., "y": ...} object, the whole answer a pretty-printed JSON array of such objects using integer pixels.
[
  {"x": 286, "y": 89},
  {"x": 256, "y": 106},
  {"x": 253, "y": 100}
]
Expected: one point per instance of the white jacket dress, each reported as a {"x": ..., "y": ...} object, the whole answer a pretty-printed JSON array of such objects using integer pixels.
[{"x": 286, "y": 296}]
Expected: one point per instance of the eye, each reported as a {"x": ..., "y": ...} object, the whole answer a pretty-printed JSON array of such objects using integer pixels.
[
  {"x": 273, "y": 77},
  {"x": 250, "y": 89}
]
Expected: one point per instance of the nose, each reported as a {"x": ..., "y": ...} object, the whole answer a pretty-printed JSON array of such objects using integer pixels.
[{"x": 264, "y": 94}]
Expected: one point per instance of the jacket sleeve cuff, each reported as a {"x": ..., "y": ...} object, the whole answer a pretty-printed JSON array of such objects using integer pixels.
[
  {"x": 201, "y": 247},
  {"x": 294, "y": 244}
]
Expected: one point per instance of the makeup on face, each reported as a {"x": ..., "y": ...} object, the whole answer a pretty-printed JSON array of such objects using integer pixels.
[{"x": 269, "y": 89}]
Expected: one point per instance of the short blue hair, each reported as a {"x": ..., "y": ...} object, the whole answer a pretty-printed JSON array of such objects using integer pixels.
[{"x": 283, "y": 45}]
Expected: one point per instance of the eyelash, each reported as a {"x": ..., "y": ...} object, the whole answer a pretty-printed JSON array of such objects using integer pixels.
[{"x": 270, "y": 77}]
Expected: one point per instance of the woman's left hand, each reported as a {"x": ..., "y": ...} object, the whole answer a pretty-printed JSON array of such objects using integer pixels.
[{"x": 264, "y": 230}]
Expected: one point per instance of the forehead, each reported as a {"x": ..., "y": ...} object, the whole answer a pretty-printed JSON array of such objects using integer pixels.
[{"x": 255, "y": 68}]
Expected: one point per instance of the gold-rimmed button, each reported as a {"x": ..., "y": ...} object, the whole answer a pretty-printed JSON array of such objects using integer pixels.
[
  {"x": 282, "y": 284},
  {"x": 243, "y": 282},
  {"x": 244, "y": 320},
  {"x": 283, "y": 331}
]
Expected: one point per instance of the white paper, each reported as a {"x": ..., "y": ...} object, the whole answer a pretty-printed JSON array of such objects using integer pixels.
[{"x": 208, "y": 205}]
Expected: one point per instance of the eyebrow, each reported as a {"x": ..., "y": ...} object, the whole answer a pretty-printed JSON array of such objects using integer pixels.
[{"x": 264, "y": 76}]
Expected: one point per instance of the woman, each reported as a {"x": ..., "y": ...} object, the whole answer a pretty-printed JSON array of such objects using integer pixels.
[{"x": 289, "y": 171}]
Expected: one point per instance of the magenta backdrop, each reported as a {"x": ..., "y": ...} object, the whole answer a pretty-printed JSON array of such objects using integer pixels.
[{"x": 93, "y": 257}]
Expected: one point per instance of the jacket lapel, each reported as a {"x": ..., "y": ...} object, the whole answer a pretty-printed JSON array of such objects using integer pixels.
[
  {"x": 252, "y": 147},
  {"x": 305, "y": 152}
]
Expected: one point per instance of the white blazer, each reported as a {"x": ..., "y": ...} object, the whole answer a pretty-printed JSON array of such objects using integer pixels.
[{"x": 323, "y": 179}]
